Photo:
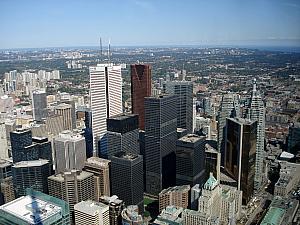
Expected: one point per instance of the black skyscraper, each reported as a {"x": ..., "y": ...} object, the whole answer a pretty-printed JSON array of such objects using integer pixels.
[
  {"x": 160, "y": 142},
  {"x": 127, "y": 178}
]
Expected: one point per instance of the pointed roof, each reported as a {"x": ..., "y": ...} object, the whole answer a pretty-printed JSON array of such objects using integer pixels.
[{"x": 211, "y": 182}]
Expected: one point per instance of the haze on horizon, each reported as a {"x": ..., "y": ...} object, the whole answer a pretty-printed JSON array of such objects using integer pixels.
[{"x": 55, "y": 23}]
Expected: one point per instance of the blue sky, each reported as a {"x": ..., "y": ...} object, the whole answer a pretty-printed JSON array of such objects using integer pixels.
[{"x": 58, "y": 23}]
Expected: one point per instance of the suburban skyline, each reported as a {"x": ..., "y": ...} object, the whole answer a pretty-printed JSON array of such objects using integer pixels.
[{"x": 35, "y": 24}]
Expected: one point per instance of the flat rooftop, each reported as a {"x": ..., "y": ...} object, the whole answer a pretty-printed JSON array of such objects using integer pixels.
[
  {"x": 191, "y": 138},
  {"x": 241, "y": 120},
  {"x": 91, "y": 207},
  {"x": 122, "y": 116},
  {"x": 32, "y": 163},
  {"x": 31, "y": 209}
]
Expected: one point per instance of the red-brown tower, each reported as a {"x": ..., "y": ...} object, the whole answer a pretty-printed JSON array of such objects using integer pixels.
[{"x": 140, "y": 88}]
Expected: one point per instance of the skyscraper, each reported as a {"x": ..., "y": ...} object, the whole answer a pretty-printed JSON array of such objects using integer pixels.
[
  {"x": 190, "y": 160},
  {"x": 73, "y": 187},
  {"x": 127, "y": 178},
  {"x": 140, "y": 88},
  {"x": 240, "y": 154},
  {"x": 100, "y": 169},
  {"x": 31, "y": 174},
  {"x": 131, "y": 216},
  {"x": 6, "y": 182},
  {"x": 122, "y": 135},
  {"x": 229, "y": 108},
  {"x": 293, "y": 140},
  {"x": 106, "y": 98},
  {"x": 177, "y": 196},
  {"x": 39, "y": 104},
  {"x": 184, "y": 103},
  {"x": 116, "y": 206},
  {"x": 160, "y": 142},
  {"x": 256, "y": 112},
  {"x": 70, "y": 152},
  {"x": 65, "y": 110},
  {"x": 91, "y": 212}
]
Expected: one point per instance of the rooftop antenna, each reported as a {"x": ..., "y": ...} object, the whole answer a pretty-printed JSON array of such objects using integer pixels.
[{"x": 100, "y": 47}]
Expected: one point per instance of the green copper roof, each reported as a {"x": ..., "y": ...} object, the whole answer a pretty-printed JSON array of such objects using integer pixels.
[
  {"x": 274, "y": 216},
  {"x": 211, "y": 182}
]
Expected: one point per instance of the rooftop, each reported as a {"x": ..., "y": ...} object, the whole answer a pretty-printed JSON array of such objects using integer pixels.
[
  {"x": 31, "y": 209},
  {"x": 98, "y": 161},
  {"x": 122, "y": 116},
  {"x": 274, "y": 216},
  {"x": 241, "y": 120},
  {"x": 91, "y": 207},
  {"x": 183, "y": 188},
  {"x": 32, "y": 163},
  {"x": 192, "y": 138}
]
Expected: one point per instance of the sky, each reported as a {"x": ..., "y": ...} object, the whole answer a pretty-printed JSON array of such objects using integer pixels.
[{"x": 63, "y": 23}]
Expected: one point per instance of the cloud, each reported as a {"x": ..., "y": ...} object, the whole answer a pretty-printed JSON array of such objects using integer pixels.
[{"x": 147, "y": 5}]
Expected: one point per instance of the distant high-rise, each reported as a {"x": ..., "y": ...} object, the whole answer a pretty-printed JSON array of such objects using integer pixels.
[
  {"x": 122, "y": 135},
  {"x": 160, "y": 142},
  {"x": 190, "y": 160},
  {"x": 35, "y": 208},
  {"x": 256, "y": 112},
  {"x": 39, "y": 105},
  {"x": 240, "y": 154},
  {"x": 31, "y": 174},
  {"x": 73, "y": 187},
  {"x": 229, "y": 108},
  {"x": 91, "y": 212},
  {"x": 106, "y": 98},
  {"x": 212, "y": 162},
  {"x": 184, "y": 103},
  {"x": 127, "y": 169},
  {"x": 140, "y": 88},
  {"x": 70, "y": 152},
  {"x": 177, "y": 196},
  {"x": 100, "y": 169},
  {"x": 65, "y": 110}
]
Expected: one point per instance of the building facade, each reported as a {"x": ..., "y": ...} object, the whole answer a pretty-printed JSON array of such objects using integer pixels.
[
  {"x": 127, "y": 178},
  {"x": 106, "y": 98},
  {"x": 140, "y": 88},
  {"x": 160, "y": 142},
  {"x": 39, "y": 105}
]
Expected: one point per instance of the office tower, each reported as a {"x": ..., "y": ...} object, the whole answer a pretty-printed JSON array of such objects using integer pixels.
[
  {"x": 39, "y": 105},
  {"x": 69, "y": 149},
  {"x": 73, "y": 187},
  {"x": 31, "y": 174},
  {"x": 256, "y": 112},
  {"x": 100, "y": 169},
  {"x": 293, "y": 140},
  {"x": 229, "y": 108},
  {"x": 122, "y": 135},
  {"x": 131, "y": 216},
  {"x": 65, "y": 110},
  {"x": 184, "y": 103},
  {"x": 106, "y": 98},
  {"x": 55, "y": 124},
  {"x": 170, "y": 215},
  {"x": 91, "y": 212},
  {"x": 35, "y": 208},
  {"x": 127, "y": 169},
  {"x": 206, "y": 106},
  {"x": 6, "y": 182},
  {"x": 3, "y": 141},
  {"x": 160, "y": 142},
  {"x": 26, "y": 148},
  {"x": 240, "y": 154},
  {"x": 88, "y": 133},
  {"x": 195, "y": 194},
  {"x": 181, "y": 132},
  {"x": 71, "y": 103},
  {"x": 190, "y": 160},
  {"x": 19, "y": 140},
  {"x": 212, "y": 161},
  {"x": 116, "y": 206},
  {"x": 177, "y": 196},
  {"x": 140, "y": 88}
]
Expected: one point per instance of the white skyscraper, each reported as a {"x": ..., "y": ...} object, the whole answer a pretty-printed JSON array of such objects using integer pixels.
[
  {"x": 257, "y": 112},
  {"x": 70, "y": 151},
  {"x": 106, "y": 97}
]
